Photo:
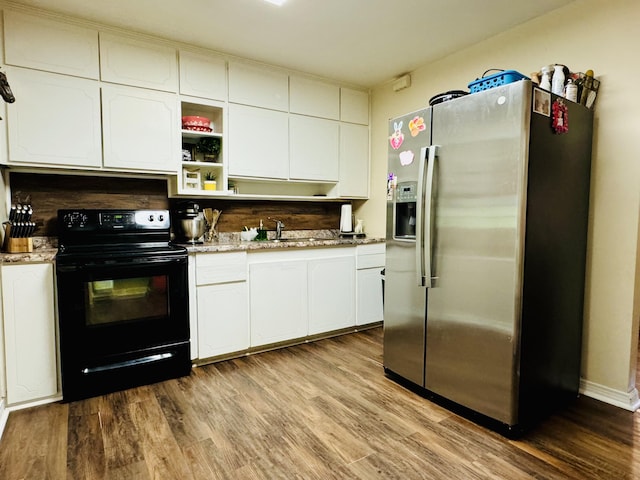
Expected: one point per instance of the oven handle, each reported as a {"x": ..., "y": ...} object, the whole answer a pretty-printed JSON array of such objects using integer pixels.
[
  {"x": 75, "y": 267},
  {"x": 129, "y": 363}
]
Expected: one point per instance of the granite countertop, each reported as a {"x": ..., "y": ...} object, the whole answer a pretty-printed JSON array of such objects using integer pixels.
[
  {"x": 230, "y": 242},
  {"x": 45, "y": 249}
]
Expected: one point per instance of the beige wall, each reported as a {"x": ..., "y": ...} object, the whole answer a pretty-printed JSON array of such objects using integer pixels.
[{"x": 588, "y": 34}]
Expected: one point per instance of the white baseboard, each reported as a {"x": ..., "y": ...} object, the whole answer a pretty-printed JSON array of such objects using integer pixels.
[
  {"x": 627, "y": 400},
  {"x": 4, "y": 415}
]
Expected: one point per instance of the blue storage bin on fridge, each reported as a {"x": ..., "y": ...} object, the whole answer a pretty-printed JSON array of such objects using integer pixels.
[{"x": 495, "y": 80}]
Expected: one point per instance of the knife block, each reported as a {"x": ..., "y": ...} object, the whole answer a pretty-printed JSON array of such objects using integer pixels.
[{"x": 16, "y": 245}]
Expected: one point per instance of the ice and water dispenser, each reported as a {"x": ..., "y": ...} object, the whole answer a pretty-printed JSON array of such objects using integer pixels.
[{"x": 405, "y": 210}]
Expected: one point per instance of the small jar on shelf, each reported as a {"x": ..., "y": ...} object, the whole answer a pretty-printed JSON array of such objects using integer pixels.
[{"x": 210, "y": 182}]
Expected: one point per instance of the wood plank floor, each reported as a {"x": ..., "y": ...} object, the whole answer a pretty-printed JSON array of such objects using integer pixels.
[{"x": 323, "y": 410}]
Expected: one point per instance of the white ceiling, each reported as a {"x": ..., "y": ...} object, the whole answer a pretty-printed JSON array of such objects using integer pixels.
[{"x": 364, "y": 42}]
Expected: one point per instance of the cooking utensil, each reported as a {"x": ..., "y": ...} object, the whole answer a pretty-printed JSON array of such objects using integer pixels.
[{"x": 212, "y": 215}]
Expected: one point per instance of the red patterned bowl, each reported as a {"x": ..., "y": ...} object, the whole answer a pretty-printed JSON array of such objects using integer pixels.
[{"x": 200, "y": 124}]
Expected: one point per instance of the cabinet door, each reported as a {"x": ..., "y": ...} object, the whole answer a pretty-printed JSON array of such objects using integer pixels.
[
  {"x": 278, "y": 301},
  {"x": 313, "y": 144},
  {"x": 138, "y": 63},
  {"x": 45, "y": 44},
  {"x": 313, "y": 97},
  {"x": 258, "y": 86},
  {"x": 332, "y": 291},
  {"x": 29, "y": 331},
  {"x": 369, "y": 296},
  {"x": 354, "y": 161},
  {"x": 140, "y": 129},
  {"x": 223, "y": 319},
  {"x": 55, "y": 120},
  {"x": 203, "y": 76},
  {"x": 354, "y": 106},
  {"x": 258, "y": 142}
]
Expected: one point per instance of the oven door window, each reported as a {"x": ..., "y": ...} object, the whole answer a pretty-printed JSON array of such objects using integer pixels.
[{"x": 126, "y": 299}]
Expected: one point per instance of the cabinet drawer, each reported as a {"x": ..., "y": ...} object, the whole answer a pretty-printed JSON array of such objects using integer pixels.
[
  {"x": 370, "y": 256},
  {"x": 221, "y": 267},
  {"x": 371, "y": 249},
  {"x": 370, "y": 261}
]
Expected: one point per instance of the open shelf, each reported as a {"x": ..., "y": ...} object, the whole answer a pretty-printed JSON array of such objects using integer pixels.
[{"x": 195, "y": 166}]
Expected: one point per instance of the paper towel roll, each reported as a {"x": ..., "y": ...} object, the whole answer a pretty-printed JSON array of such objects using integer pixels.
[{"x": 346, "y": 224}]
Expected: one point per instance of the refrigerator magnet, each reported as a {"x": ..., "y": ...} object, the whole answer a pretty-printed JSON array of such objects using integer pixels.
[
  {"x": 542, "y": 102},
  {"x": 416, "y": 125},
  {"x": 406, "y": 158},
  {"x": 560, "y": 122},
  {"x": 397, "y": 137}
]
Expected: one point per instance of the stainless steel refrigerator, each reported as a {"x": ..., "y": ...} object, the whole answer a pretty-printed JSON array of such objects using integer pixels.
[{"x": 487, "y": 217}]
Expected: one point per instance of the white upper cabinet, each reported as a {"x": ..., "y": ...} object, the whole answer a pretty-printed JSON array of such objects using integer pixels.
[
  {"x": 138, "y": 63},
  {"x": 203, "y": 75},
  {"x": 354, "y": 106},
  {"x": 258, "y": 142},
  {"x": 140, "y": 129},
  {"x": 313, "y": 144},
  {"x": 54, "y": 46},
  {"x": 354, "y": 161},
  {"x": 55, "y": 120},
  {"x": 313, "y": 97},
  {"x": 258, "y": 86}
]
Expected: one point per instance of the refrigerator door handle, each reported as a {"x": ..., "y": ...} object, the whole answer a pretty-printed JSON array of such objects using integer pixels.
[
  {"x": 420, "y": 270},
  {"x": 427, "y": 239}
]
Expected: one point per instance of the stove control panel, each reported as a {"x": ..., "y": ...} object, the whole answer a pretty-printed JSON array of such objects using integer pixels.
[
  {"x": 74, "y": 219},
  {"x": 78, "y": 220}
]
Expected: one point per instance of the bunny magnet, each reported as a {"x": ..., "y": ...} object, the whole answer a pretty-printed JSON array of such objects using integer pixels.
[{"x": 397, "y": 137}]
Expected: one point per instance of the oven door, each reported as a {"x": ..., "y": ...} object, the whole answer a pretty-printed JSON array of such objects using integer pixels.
[{"x": 122, "y": 323}]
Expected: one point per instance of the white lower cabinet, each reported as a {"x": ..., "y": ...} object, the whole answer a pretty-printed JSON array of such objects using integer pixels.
[
  {"x": 250, "y": 300},
  {"x": 222, "y": 303},
  {"x": 29, "y": 331},
  {"x": 370, "y": 262},
  {"x": 223, "y": 326},
  {"x": 278, "y": 301},
  {"x": 298, "y": 293},
  {"x": 332, "y": 303}
]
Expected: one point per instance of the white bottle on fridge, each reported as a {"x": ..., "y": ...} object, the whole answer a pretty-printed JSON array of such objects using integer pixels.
[{"x": 557, "y": 85}]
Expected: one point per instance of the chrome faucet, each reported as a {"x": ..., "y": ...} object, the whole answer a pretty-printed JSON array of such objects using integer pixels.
[{"x": 279, "y": 228}]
